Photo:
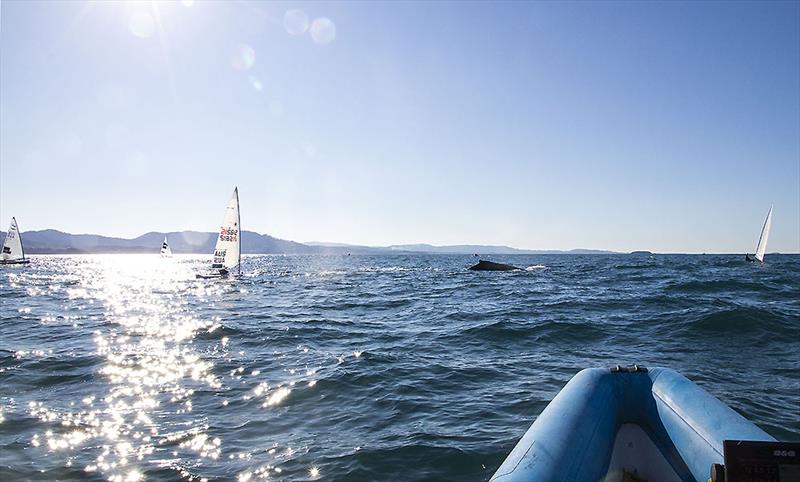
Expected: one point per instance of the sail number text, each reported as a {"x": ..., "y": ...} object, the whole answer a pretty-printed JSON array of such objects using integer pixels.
[{"x": 228, "y": 234}]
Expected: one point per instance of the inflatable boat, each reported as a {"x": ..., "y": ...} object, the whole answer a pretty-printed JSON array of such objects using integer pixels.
[{"x": 632, "y": 424}]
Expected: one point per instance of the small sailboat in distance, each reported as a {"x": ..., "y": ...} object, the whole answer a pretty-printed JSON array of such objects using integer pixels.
[
  {"x": 166, "y": 251},
  {"x": 762, "y": 240},
  {"x": 228, "y": 251},
  {"x": 13, "y": 252}
]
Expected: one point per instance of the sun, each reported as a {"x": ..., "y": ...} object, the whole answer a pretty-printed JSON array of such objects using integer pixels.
[{"x": 144, "y": 17}]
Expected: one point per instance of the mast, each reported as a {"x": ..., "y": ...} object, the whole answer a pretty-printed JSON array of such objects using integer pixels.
[
  {"x": 239, "y": 222},
  {"x": 21, "y": 246}
]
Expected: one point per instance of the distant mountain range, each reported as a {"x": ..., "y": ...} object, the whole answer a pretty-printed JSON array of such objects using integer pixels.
[
  {"x": 461, "y": 249},
  {"x": 479, "y": 249},
  {"x": 51, "y": 241}
]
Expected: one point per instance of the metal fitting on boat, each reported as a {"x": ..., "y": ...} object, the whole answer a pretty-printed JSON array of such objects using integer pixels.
[{"x": 630, "y": 369}]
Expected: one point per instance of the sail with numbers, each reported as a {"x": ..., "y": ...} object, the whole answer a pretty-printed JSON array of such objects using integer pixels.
[
  {"x": 228, "y": 250},
  {"x": 166, "y": 251},
  {"x": 13, "y": 252}
]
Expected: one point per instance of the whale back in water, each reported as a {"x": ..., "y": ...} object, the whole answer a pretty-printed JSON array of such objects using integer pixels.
[{"x": 491, "y": 266}]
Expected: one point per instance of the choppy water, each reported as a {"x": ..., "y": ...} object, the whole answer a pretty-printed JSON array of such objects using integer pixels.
[{"x": 361, "y": 367}]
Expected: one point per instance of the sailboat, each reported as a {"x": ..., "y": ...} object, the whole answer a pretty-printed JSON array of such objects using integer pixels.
[
  {"x": 166, "y": 251},
  {"x": 13, "y": 252},
  {"x": 228, "y": 251},
  {"x": 762, "y": 240}
]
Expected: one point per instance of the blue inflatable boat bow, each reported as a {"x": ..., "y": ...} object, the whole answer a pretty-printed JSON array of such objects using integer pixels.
[{"x": 627, "y": 424}]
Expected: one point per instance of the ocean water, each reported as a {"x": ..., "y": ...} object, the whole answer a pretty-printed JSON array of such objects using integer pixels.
[{"x": 124, "y": 367}]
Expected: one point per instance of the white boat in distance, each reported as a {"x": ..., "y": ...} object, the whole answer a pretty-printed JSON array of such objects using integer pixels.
[
  {"x": 762, "y": 240},
  {"x": 13, "y": 252},
  {"x": 166, "y": 251},
  {"x": 228, "y": 251}
]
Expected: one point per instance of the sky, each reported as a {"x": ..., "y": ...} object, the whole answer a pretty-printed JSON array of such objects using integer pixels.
[{"x": 669, "y": 126}]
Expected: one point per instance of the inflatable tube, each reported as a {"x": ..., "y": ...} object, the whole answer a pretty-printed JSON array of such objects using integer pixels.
[{"x": 609, "y": 424}]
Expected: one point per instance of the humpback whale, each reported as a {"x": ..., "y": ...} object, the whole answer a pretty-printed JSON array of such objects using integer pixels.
[{"x": 491, "y": 266}]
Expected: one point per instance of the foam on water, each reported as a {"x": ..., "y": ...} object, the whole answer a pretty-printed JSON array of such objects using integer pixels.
[{"x": 535, "y": 267}]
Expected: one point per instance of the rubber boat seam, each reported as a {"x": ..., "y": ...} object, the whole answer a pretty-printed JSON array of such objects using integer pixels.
[
  {"x": 519, "y": 461},
  {"x": 668, "y": 405},
  {"x": 523, "y": 456}
]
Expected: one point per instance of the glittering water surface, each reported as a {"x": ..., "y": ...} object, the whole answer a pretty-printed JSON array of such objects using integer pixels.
[{"x": 124, "y": 367}]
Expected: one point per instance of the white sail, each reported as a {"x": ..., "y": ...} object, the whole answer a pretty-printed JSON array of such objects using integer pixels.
[
  {"x": 166, "y": 251},
  {"x": 227, "y": 253},
  {"x": 762, "y": 240},
  {"x": 12, "y": 247}
]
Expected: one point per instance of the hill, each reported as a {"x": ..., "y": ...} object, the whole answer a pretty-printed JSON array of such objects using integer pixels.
[{"x": 51, "y": 241}]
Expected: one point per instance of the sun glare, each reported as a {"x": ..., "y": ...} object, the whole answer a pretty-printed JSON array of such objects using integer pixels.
[{"x": 141, "y": 23}]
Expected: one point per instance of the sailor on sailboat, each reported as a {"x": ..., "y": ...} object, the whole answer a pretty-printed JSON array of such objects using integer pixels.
[
  {"x": 13, "y": 252},
  {"x": 228, "y": 251},
  {"x": 166, "y": 251},
  {"x": 762, "y": 240}
]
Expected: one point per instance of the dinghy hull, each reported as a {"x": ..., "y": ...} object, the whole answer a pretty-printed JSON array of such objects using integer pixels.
[
  {"x": 608, "y": 424},
  {"x": 15, "y": 261}
]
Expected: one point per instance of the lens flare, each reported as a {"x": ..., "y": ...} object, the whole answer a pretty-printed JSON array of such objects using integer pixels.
[
  {"x": 244, "y": 57},
  {"x": 295, "y": 22},
  {"x": 255, "y": 83},
  {"x": 323, "y": 31}
]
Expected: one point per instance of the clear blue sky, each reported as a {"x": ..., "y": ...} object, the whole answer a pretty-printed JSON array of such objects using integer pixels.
[{"x": 638, "y": 125}]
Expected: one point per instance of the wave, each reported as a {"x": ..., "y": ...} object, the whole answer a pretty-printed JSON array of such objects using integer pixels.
[
  {"x": 217, "y": 332},
  {"x": 743, "y": 321},
  {"x": 558, "y": 332},
  {"x": 409, "y": 460},
  {"x": 641, "y": 266},
  {"x": 380, "y": 369},
  {"x": 716, "y": 286}
]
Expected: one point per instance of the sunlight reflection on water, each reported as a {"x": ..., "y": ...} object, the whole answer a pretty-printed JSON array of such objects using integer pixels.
[
  {"x": 150, "y": 365},
  {"x": 154, "y": 335}
]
